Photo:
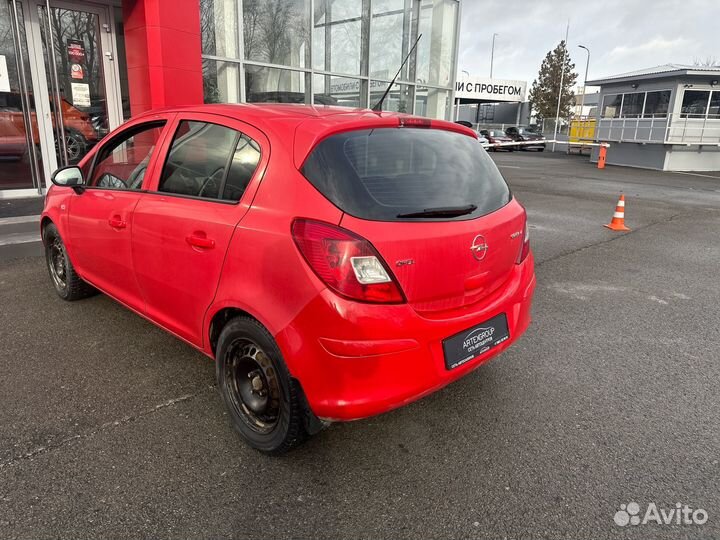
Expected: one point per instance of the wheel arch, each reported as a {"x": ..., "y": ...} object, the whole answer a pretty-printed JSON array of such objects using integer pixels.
[
  {"x": 44, "y": 222},
  {"x": 218, "y": 321}
]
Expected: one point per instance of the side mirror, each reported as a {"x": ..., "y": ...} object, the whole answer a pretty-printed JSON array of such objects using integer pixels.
[{"x": 70, "y": 176}]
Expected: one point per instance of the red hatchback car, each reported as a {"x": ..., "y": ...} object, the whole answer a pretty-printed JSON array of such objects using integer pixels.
[{"x": 335, "y": 263}]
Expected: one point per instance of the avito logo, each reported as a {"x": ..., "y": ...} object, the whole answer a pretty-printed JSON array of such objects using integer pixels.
[{"x": 681, "y": 514}]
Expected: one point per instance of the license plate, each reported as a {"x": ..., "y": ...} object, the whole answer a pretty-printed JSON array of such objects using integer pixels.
[{"x": 473, "y": 342}]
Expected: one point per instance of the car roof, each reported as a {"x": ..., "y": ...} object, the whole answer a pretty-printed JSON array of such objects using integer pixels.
[
  {"x": 259, "y": 112},
  {"x": 309, "y": 123}
]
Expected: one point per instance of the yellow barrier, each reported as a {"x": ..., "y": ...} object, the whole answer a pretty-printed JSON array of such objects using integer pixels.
[{"x": 582, "y": 130}]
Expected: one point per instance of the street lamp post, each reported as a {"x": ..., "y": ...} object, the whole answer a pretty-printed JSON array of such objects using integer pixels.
[
  {"x": 587, "y": 65},
  {"x": 492, "y": 54}
]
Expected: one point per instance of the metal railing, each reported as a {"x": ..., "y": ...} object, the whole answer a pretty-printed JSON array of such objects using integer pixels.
[{"x": 677, "y": 128}]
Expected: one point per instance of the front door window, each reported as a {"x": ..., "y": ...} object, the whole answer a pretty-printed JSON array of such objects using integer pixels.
[{"x": 122, "y": 163}]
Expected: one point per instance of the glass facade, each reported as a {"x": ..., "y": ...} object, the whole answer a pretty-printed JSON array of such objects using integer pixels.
[
  {"x": 63, "y": 86},
  {"x": 16, "y": 136},
  {"x": 331, "y": 52}
]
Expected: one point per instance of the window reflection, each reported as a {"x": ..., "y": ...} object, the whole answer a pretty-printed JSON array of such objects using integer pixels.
[
  {"x": 392, "y": 38},
  {"x": 432, "y": 102},
  {"x": 221, "y": 81},
  {"x": 272, "y": 85},
  {"x": 277, "y": 31},
  {"x": 399, "y": 99},
  {"x": 219, "y": 28},
  {"x": 15, "y": 155},
  {"x": 435, "y": 50},
  {"x": 344, "y": 52},
  {"x": 343, "y": 91}
]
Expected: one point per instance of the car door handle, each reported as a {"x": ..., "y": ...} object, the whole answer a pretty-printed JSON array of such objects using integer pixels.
[
  {"x": 200, "y": 240},
  {"x": 116, "y": 222}
]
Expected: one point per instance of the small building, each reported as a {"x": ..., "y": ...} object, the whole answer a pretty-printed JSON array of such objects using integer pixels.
[{"x": 665, "y": 117}]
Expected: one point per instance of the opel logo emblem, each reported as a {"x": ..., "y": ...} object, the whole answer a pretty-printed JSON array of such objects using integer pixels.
[{"x": 479, "y": 247}]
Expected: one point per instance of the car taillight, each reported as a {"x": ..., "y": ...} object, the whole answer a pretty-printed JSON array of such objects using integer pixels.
[
  {"x": 525, "y": 248},
  {"x": 347, "y": 263}
]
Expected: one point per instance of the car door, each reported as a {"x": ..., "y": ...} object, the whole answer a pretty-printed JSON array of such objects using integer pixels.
[
  {"x": 183, "y": 225},
  {"x": 101, "y": 215}
]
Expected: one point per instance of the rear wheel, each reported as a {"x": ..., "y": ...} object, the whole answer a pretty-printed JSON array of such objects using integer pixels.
[
  {"x": 66, "y": 281},
  {"x": 264, "y": 402}
]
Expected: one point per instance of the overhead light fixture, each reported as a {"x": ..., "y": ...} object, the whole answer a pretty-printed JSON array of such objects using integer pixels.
[
  {"x": 713, "y": 82},
  {"x": 634, "y": 85}
]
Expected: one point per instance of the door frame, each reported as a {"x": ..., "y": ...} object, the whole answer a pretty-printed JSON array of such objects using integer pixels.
[{"x": 40, "y": 85}]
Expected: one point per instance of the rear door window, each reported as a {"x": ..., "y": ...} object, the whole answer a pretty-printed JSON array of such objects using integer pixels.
[
  {"x": 209, "y": 161},
  {"x": 385, "y": 174}
]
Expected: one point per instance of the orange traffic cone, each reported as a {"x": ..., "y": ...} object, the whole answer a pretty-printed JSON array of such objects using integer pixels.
[{"x": 618, "y": 219}]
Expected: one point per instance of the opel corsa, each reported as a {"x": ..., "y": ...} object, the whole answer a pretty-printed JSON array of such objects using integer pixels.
[{"x": 335, "y": 263}]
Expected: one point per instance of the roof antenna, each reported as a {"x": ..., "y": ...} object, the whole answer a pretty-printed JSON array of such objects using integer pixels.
[{"x": 378, "y": 106}]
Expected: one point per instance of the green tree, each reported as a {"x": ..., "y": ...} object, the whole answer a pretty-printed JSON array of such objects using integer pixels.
[{"x": 545, "y": 89}]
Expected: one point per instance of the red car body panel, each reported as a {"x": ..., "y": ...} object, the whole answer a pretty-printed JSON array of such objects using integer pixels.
[{"x": 352, "y": 359}]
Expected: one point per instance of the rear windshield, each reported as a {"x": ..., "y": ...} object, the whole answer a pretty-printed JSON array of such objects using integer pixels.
[{"x": 385, "y": 174}]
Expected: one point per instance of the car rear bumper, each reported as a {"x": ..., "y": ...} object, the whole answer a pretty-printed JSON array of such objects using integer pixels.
[{"x": 356, "y": 360}]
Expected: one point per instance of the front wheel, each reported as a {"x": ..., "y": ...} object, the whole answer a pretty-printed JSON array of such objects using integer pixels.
[
  {"x": 264, "y": 402},
  {"x": 65, "y": 279}
]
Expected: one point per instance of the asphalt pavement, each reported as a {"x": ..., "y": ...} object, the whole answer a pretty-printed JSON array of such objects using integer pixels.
[{"x": 111, "y": 427}]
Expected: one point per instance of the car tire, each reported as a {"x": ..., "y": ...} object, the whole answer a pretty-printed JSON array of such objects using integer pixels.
[
  {"x": 265, "y": 403},
  {"x": 541, "y": 149},
  {"x": 67, "y": 283},
  {"x": 76, "y": 145}
]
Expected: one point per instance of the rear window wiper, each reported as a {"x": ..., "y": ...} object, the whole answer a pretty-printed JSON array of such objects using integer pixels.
[{"x": 447, "y": 211}]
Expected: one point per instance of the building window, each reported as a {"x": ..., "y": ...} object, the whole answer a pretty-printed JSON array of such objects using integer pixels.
[
  {"x": 277, "y": 31},
  {"x": 432, "y": 102},
  {"x": 273, "y": 85},
  {"x": 343, "y": 91},
  {"x": 694, "y": 104},
  {"x": 399, "y": 99},
  {"x": 392, "y": 28},
  {"x": 435, "y": 49},
  {"x": 221, "y": 81},
  {"x": 656, "y": 104},
  {"x": 611, "y": 105},
  {"x": 632, "y": 105},
  {"x": 714, "y": 110},
  {"x": 636, "y": 105},
  {"x": 337, "y": 36},
  {"x": 219, "y": 28}
]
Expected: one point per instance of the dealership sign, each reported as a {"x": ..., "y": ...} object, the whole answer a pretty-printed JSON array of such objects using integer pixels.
[{"x": 490, "y": 89}]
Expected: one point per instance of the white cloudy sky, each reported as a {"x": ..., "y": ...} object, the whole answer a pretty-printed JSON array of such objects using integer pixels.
[{"x": 621, "y": 35}]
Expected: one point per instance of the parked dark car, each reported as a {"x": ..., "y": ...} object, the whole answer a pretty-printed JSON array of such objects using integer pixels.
[
  {"x": 495, "y": 136},
  {"x": 522, "y": 134}
]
